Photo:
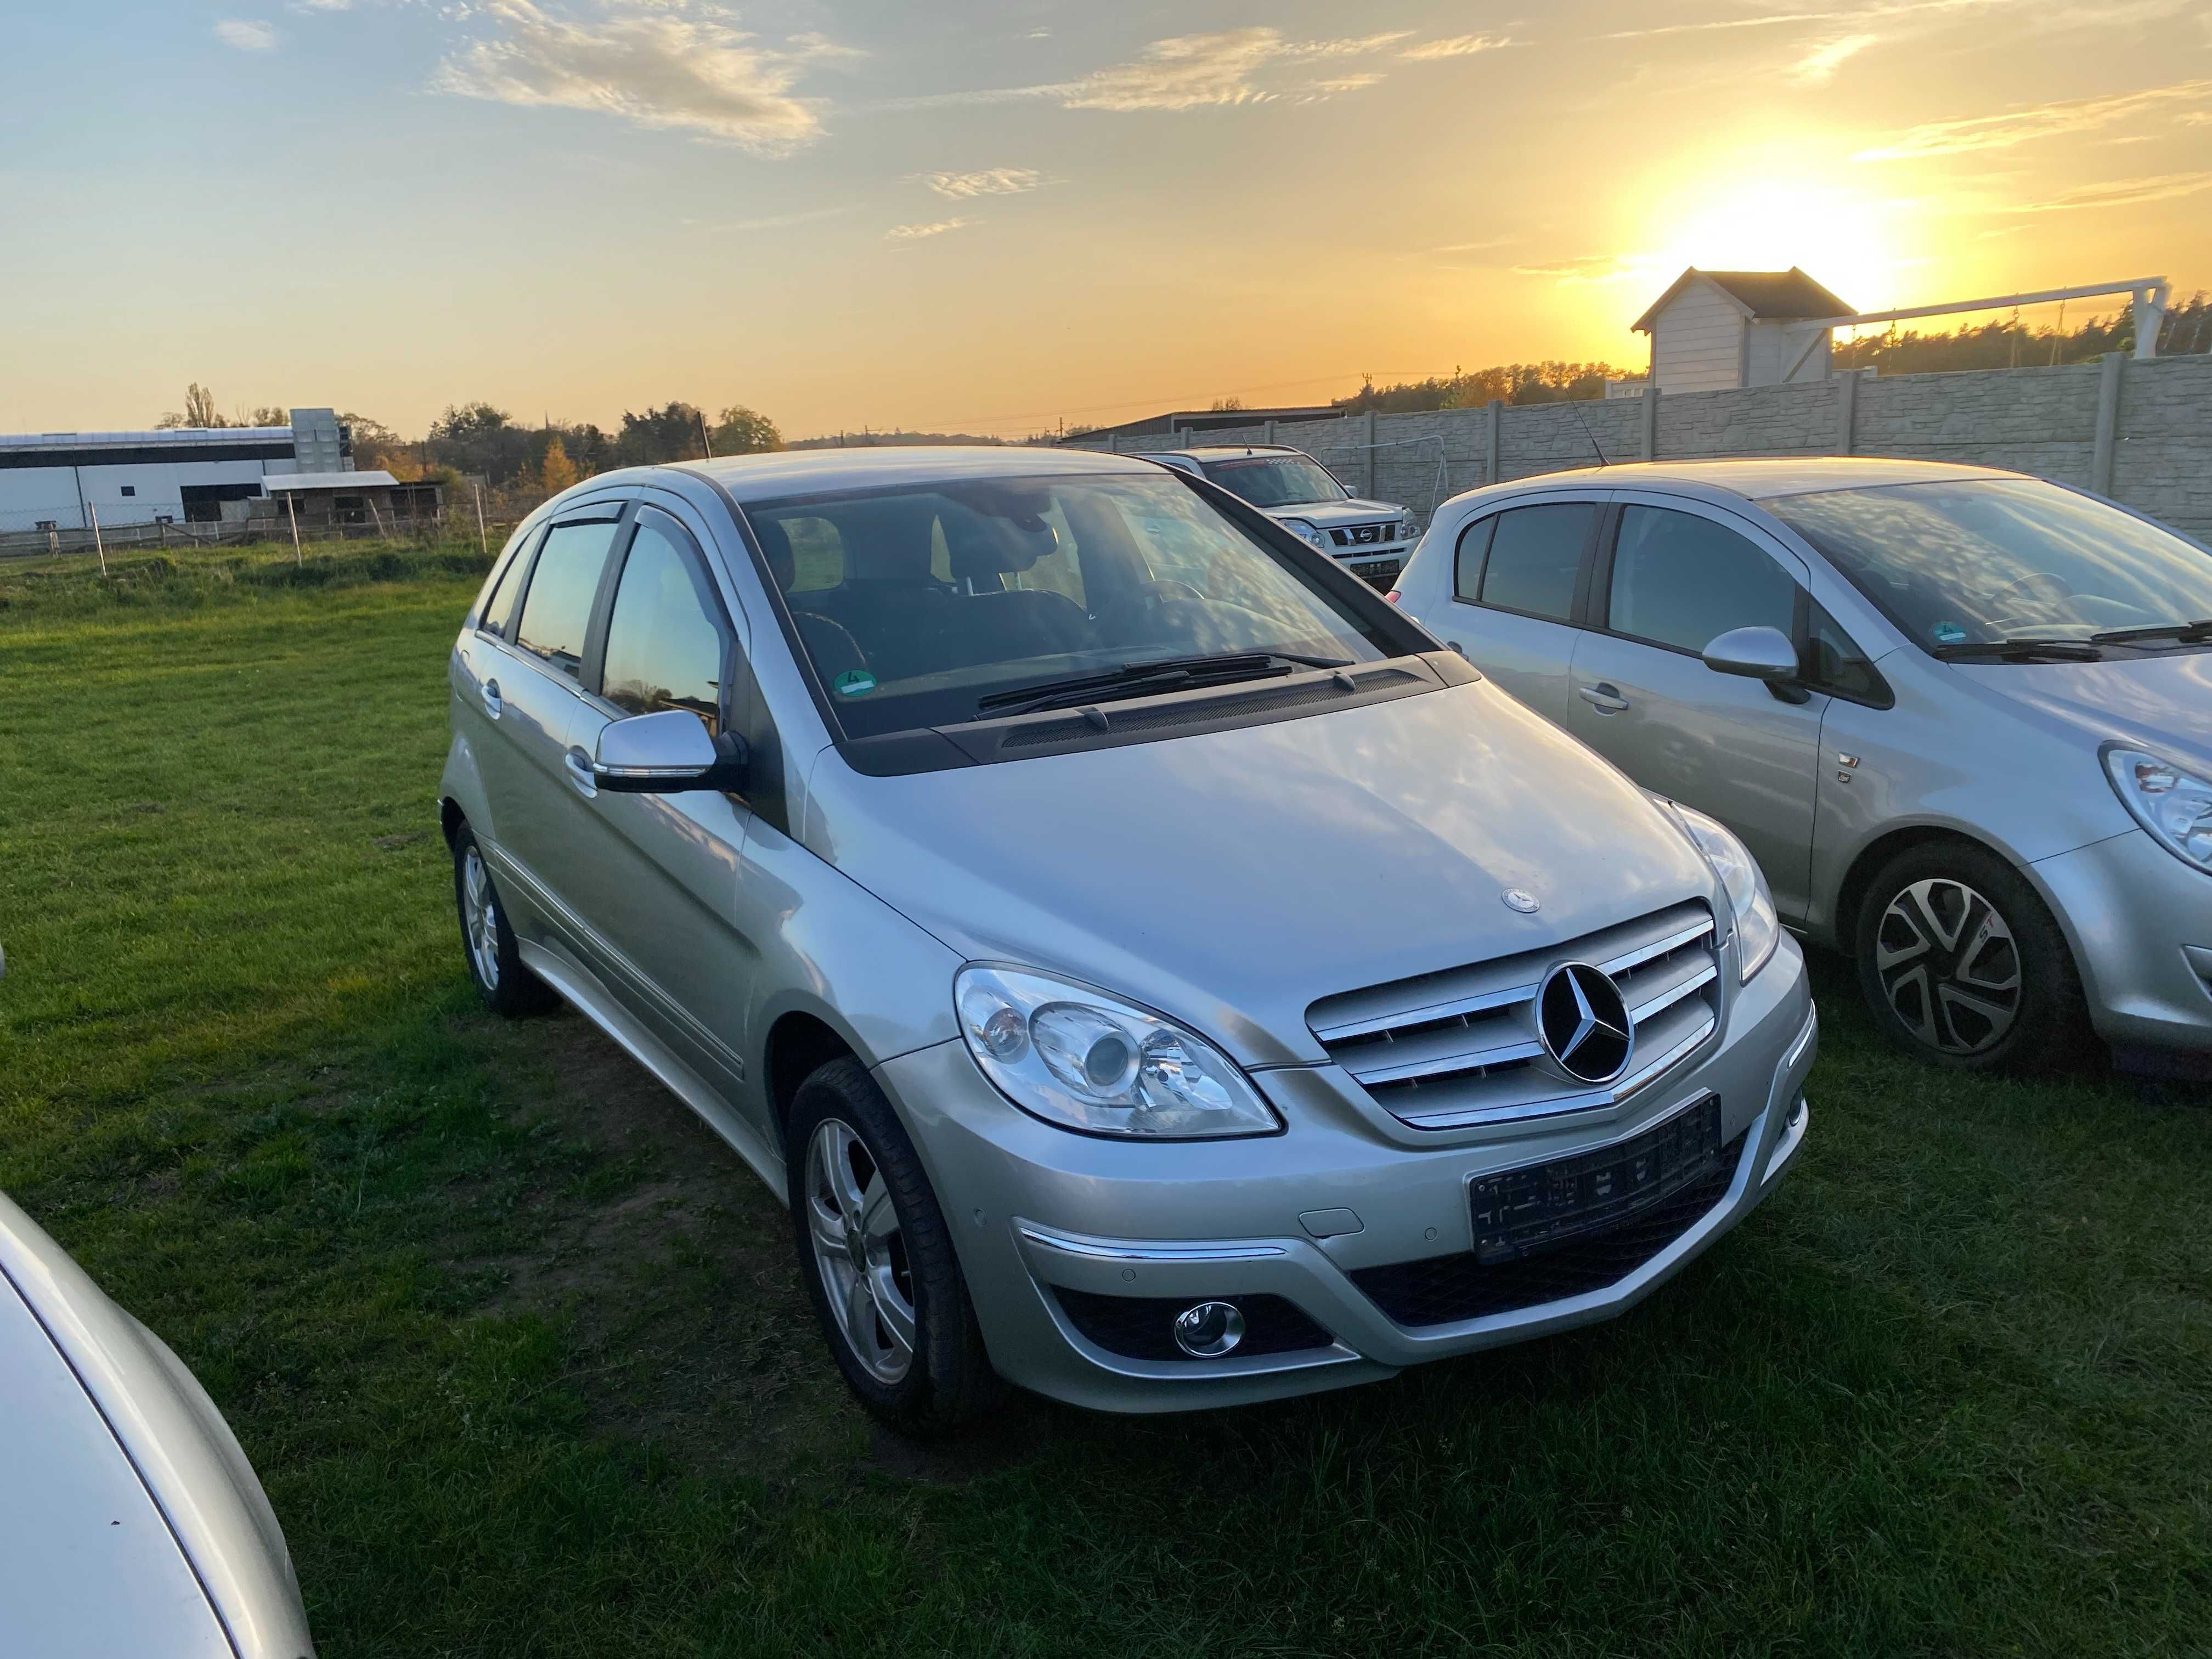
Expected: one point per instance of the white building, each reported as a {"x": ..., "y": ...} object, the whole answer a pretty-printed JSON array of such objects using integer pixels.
[
  {"x": 63, "y": 481},
  {"x": 1715, "y": 330}
]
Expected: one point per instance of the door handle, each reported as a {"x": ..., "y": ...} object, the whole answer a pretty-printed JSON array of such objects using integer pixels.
[
  {"x": 1604, "y": 698},
  {"x": 578, "y": 765},
  {"x": 493, "y": 704}
]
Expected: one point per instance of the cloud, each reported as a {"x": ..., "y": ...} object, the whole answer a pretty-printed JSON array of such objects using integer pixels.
[
  {"x": 246, "y": 36},
  {"x": 1593, "y": 268},
  {"x": 1458, "y": 45},
  {"x": 771, "y": 221},
  {"x": 662, "y": 64},
  {"x": 1820, "y": 64},
  {"x": 2021, "y": 126},
  {"x": 918, "y": 233},
  {"x": 991, "y": 181},
  {"x": 2125, "y": 192}
]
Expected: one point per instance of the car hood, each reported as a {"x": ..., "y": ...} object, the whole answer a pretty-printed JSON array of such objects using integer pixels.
[
  {"x": 1231, "y": 878},
  {"x": 2161, "y": 702},
  {"x": 1331, "y": 512}
]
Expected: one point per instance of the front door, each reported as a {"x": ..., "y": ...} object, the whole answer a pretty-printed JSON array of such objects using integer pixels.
[{"x": 1676, "y": 580}]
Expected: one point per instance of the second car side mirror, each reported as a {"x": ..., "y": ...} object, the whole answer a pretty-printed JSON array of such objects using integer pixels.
[
  {"x": 1755, "y": 653},
  {"x": 668, "y": 752}
]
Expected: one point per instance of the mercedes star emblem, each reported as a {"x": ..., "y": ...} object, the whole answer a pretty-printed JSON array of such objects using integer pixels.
[
  {"x": 1519, "y": 899},
  {"x": 1583, "y": 1023}
]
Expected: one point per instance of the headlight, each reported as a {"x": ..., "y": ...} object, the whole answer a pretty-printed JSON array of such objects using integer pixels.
[
  {"x": 1757, "y": 930},
  {"x": 1311, "y": 535},
  {"x": 2173, "y": 805},
  {"x": 1086, "y": 1060},
  {"x": 1410, "y": 530}
]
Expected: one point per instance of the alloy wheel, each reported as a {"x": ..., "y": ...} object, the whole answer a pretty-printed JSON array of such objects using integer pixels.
[
  {"x": 858, "y": 1249},
  {"x": 1949, "y": 966},
  {"x": 480, "y": 917}
]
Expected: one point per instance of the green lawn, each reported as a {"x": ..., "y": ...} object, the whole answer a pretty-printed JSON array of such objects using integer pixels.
[{"x": 521, "y": 1357}]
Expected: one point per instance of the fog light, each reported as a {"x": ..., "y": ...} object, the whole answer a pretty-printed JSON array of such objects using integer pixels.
[{"x": 1209, "y": 1329}]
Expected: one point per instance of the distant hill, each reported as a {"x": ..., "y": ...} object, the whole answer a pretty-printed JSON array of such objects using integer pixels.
[{"x": 888, "y": 440}]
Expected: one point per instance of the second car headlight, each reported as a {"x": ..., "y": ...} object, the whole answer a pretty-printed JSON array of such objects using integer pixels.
[
  {"x": 2173, "y": 804},
  {"x": 1758, "y": 930},
  {"x": 1087, "y": 1060},
  {"x": 1312, "y": 535}
]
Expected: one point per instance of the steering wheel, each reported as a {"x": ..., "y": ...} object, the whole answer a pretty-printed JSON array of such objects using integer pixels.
[
  {"x": 2037, "y": 586},
  {"x": 826, "y": 639}
]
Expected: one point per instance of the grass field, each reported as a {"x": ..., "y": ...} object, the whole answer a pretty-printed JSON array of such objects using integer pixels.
[{"x": 522, "y": 1357}]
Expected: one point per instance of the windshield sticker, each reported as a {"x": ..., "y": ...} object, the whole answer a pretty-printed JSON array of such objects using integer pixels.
[
  {"x": 1949, "y": 634},
  {"x": 855, "y": 683}
]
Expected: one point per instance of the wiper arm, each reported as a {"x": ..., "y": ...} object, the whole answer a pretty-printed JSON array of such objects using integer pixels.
[
  {"x": 2023, "y": 651},
  {"x": 2188, "y": 633},
  {"x": 1134, "y": 679}
]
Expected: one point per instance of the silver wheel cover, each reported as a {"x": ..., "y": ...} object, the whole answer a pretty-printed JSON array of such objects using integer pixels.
[
  {"x": 855, "y": 1233},
  {"x": 480, "y": 917},
  {"x": 1949, "y": 967}
]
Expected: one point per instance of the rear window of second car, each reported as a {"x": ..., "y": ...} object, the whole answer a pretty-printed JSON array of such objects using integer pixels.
[{"x": 1527, "y": 559}]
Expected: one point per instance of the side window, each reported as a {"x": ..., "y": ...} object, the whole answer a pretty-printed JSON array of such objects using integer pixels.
[
  {"x": 556, "y": 612},
  {"x": 665, "y": 639},
  {"x": 1474, "y": 548},
  {"x": 1535, "y": 557},
  {"x": 497, "y": 617},
  {"x": 1834, "y": 662},
  {"x": 1683, "y": 580}
]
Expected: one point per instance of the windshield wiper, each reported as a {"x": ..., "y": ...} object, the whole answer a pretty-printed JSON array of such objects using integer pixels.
[
  {"x": 2188, "y": 633},
  {"x": 1136, "y": 679},
  {"x": 2021, "y": 651}
]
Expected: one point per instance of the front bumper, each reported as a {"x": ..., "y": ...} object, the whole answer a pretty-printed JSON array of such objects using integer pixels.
[
  {"x": 2140, "y": 922},
  {"x": 1034, "y": 1208}
]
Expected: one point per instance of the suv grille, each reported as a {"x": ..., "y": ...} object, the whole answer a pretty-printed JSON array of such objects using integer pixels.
[
  {"x": 1364, "y": 535},
  {"x": 1445, "y": 1050}
]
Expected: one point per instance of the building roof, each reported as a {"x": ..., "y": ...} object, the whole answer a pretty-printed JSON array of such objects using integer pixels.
[
  {"x": 290, "y": 483},
  {"x": 184, "y": 437},
  {"x": 1773, "y": 296},
  {"x": 1207, "y": 420}
]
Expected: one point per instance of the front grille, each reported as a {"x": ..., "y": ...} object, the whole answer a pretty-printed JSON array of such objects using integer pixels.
[
  {"x": 1447, "y": 1050},
  {"x": 1363, "y": 535},
  {"x": 1442, "y": 1290},
  {"x": 1143, "y": 1326}
]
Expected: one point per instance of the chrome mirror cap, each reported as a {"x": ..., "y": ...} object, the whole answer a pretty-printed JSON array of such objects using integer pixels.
[
  {"x": 1757, "y": 654},
  {"x": 658, "y": 754}
]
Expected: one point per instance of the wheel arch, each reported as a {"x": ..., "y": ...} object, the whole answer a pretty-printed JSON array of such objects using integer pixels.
[{"x": 799, "y": 1042}]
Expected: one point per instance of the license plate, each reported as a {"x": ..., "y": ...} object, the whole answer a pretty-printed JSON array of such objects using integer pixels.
[{"x": 1525, "y": 1211}]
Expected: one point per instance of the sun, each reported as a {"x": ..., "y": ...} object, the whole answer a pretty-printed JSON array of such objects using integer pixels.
[{"x": 1843, "y": 238}]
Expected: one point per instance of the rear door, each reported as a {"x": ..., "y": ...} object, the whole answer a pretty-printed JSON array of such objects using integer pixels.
[
  {"x": 1516, "y": 580},
  {"x": 1675, "y": 575},
  {"x": 531, "y": 686}
]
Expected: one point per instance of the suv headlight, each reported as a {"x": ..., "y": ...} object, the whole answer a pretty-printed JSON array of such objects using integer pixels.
[
  {"x": 2173, "y": 804},
  {"x": 1312, "y": 535},
  {"x": 1758, "y": 930},
  {"x": 1410, "y": 530},
  {"x": 1086, "y": 1060}
]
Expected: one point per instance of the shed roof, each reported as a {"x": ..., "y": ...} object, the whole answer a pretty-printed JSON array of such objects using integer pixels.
[
  {"x": 1775, "y": 296},
  {"x": 287, "y": 482}
]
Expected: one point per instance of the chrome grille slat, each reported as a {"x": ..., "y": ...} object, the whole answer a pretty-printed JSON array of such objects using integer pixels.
[{"x": 1460, "y": 1047}]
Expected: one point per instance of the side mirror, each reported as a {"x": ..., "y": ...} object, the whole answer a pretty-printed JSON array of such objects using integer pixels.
[
  {"x": 1755, "y": 653},
  {"x": 667, "y": 753}
]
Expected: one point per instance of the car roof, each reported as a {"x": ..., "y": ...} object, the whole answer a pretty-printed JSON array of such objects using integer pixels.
[
  {"x": 1224, "y": 452},
  {"x": 821, "y": 471},
  {"x": 1761, "y": 480}
]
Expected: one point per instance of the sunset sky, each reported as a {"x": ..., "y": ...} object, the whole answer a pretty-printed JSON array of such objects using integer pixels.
[{"x": 991, "y": 218}]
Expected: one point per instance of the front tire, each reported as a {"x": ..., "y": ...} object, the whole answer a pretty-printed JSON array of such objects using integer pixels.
[
  {"x": 1963, "y": 966},
  {"x": 487, "y": 944},
  {"x": 877, "y": 1258}
]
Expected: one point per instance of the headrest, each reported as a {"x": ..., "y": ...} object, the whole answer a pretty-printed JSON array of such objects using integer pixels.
[{"x": 775, "y": 544}]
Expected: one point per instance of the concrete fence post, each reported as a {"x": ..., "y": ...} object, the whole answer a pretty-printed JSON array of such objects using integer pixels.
[
  {"x": 1847, "y": 403},
  {"x": 1493, "y": 440},
  {"x": 2108, "y": 421},
  {"x": 1372, "y": 453},
  {"x": 1269, "y": 430},
  {"x": 1647, "y": 450}
]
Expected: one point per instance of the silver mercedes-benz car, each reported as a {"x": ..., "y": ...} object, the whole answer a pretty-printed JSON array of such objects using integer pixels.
[
  {"x": 1962, "y": 717},
  {"x": 1372, "y": 539},
  {"x": 1151, "y": 971}
]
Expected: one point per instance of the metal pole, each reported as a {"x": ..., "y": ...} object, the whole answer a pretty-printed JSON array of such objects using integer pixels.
[
  {"x": 292, "y": 512},
  {"x": 705, "y": 442},
  {"x": 99, "y": 545},
  {"x": 483, "y": 540}
]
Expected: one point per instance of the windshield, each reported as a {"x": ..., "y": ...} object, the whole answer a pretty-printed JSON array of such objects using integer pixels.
[
  {"x": 1977, "y": 563},
  {"x": 1276, "y": 480},
  {"x": 916, "y": 604}
]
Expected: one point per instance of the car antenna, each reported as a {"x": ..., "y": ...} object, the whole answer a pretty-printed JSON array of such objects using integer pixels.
[{"x": 1587, "y": 433}]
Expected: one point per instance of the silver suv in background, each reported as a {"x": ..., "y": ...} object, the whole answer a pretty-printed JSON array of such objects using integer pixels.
[
  {"x": 1150, "y": 970},
  {"x": 1962, "y": 717},
  {"x": 1372, "y": 539}
]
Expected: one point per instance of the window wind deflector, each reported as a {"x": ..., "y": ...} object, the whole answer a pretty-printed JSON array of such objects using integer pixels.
[
  {"x": 1135, "y": 679},
  {"x": 2186, "y": 633},
  {"x": 2021, "y": 651}
]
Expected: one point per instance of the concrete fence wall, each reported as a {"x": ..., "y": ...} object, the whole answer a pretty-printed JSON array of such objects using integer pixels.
[{"x": 2139, "y": 432}]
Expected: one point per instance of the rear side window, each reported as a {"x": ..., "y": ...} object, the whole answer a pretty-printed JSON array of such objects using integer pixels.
[
  {"x": 1535, "y": 558},
  {"x": 1683, "y": 580},
  {"x": 665, "y": 640},
  {"x": 556, "y": 612},
  {"x": 497, "y": 618}
]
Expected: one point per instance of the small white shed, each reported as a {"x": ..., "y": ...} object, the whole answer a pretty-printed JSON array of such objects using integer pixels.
[{"x": 1714, "y": 330}]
